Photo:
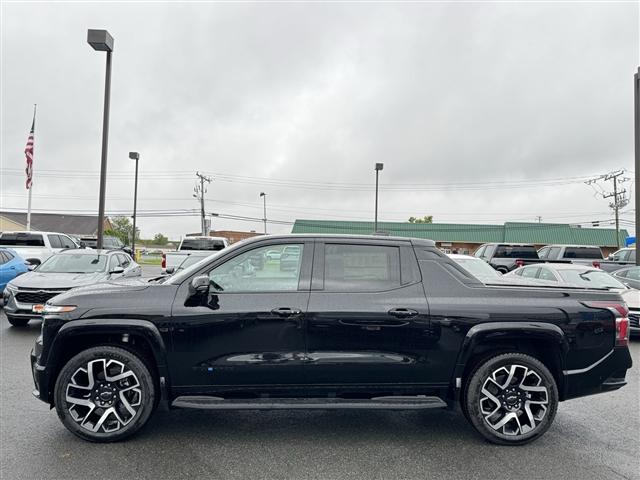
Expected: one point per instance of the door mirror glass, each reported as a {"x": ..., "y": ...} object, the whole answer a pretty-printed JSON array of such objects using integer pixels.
[{"x": 199, "y": 285}]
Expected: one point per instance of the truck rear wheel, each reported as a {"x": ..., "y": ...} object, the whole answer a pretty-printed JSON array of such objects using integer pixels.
[
  {"x": 511, "y": 399},
  {"x": 104, "y": 394}
]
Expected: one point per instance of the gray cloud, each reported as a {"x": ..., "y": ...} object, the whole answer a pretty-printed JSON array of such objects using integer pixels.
[{"x": 441, "y": 93}]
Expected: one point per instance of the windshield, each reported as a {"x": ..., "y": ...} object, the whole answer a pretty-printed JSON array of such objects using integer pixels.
[
  {"x": 591, "y": 279},
  {"x": 478, "y": 268},
  {"x": 202, "y": 244},
  {"x": 69, "y": 263}
]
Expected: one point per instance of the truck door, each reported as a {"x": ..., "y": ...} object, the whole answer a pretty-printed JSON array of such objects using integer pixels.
[
  {"x": 248, "y": 328},
  {"x": 367, "y": 316}
]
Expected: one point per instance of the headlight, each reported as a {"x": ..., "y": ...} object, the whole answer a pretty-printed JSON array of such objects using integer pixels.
[{"x": 47, "y": 309}]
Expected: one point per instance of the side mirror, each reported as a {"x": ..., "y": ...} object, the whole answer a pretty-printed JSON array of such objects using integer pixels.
[
  {"x": 199, "y": 285},
  {"x": 31, "y": 267},
  {"x": 117, "y": 271},
  {"x": 170, "y": 270},
  {"x": 610, "y": 257}
]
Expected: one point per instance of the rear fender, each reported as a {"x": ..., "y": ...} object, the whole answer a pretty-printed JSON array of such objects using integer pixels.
[{"x": 501, "y": 332}]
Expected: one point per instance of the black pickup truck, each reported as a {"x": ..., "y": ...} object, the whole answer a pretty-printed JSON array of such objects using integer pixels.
[{"x": 359, "y": 322}]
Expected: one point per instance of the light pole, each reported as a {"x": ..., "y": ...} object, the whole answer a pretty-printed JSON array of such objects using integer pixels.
[
  {"x": 134, "y": 156},
  {"x": 101, "y": 41},
  {"x": 636, "y": 100},
  {"x": 264, "y": 218},
  {"x": 379, "y": 167}
]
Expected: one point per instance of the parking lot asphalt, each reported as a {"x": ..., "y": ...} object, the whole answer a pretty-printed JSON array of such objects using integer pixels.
[{"x": 595, "y": 437}]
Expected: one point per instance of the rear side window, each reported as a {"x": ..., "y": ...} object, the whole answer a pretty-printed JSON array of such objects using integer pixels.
[
  {"x": 516, "y": 251},
  {"x": 530, "y": 272},
  {"x": 547, "y": 275},
  {"x": 22, "y": 239},
  {"x": 202, "y": 244},
  {"x": 573, "y": 252},
  {"x": 361, "y": 268},
  {"x": 3, "y": 258}
]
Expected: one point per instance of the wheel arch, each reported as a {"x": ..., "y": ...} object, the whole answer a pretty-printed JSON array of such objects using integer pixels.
[
  {"x": 140, "y": 337},
  {"x": 544, "y": 341}
]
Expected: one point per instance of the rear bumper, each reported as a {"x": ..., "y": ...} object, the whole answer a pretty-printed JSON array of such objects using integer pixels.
[{"x": 603, "y": 376}]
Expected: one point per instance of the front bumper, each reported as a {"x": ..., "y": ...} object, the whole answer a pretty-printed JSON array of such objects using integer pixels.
[
  {"x": 607, "y": 375},
  {"x": 40, "y": 374},
  {"x": 14, "y": 308}
]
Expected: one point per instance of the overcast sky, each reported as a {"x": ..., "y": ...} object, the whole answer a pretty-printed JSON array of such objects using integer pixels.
[{"x": 480, "y": 112}]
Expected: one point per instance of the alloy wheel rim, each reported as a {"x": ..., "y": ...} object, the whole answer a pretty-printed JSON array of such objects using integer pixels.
[
  {"x": 104, "y": 396},
  {"x": 514, "y": 400}
]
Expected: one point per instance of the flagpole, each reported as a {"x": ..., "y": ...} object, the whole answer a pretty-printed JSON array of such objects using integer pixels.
[{"x": 31, "y": 186}]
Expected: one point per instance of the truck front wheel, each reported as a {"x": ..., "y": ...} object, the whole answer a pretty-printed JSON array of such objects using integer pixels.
[
  {"x": 511, "y": 399},
  {"x": 104, "y": 394}
]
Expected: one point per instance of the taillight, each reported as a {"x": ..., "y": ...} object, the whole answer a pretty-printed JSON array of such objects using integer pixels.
[
  {"x": 519, "y": 263},
  {"x": 621, "y": 312},
  {"x": 164, "y": 260},
  {"x": 596, "y": 264}
]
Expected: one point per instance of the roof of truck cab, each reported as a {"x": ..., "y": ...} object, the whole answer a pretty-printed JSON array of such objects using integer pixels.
[{"x": 317, "y": 236}]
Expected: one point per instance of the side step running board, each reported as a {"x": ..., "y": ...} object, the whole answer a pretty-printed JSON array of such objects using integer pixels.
[{"x": 381, "y": 403}]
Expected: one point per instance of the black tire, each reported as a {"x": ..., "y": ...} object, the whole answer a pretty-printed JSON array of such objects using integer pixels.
[
  {"x": 110, "y": 359},
  {"x": 529, "y": 416},
  {"x": 17, "y": 321}
]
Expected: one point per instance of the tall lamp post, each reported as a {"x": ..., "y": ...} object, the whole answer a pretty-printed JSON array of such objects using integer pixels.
[
  {"x": 636, "y": 101},
  {"x": 134, "y": 156},
  {"x": 379, "y": 167},
  {"x": 264, "y": 218},
  {"x": 101, "y": 41}
]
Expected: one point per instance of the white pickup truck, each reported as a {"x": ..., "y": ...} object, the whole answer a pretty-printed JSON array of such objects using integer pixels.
[
  {"x": 36, "y": 247},
  {"x": 192, "y": 246}
]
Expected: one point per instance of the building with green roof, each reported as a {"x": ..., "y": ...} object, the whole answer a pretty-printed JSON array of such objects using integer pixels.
[{"x": 466, "y": 238}]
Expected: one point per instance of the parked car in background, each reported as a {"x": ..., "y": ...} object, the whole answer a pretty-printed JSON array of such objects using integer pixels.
[
  {"x": 193, "y": 245},
  {"x": 477, "y": 267},
  {"x": 273, "y": 255},
  {"x": 585, "y": 277},
  {"x": 505, "y": 257},
  {"x": 621, "y": 258},
  {"x": 11, "y": 265},
  {"x": 109, "y": 242},
  {"x": 579, "y": 254},
  {"x": 630, "y": 276},
  {"x": 60, "y": 273},
  {"x": 290, "y": 258},
  {"x": 361, "y": 322},
  {"x": 192, "y": 259},
  {"x": 35, "y": 247}
]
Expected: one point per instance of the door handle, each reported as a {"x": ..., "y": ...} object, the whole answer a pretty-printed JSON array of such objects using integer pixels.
[
  {"x": 402, "y": 312},
  {"x": 286, "y": 312}
]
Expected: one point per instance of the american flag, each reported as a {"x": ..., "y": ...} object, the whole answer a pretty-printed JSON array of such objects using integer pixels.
[{"x": 28, "y": 151}]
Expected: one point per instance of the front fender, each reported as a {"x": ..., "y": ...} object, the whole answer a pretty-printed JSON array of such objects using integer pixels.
[{"x": 104, "y": 326}]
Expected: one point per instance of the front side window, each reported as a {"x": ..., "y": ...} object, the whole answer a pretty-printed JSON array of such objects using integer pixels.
[
  {"x": 543, "y": 252},
  {"x": 633, "y": 273},
  {"x": 479, "y": 252},
  {"x": 113, "y": 263},
  {"x": 66, "y": 242},
  {"x": 361, "y": 268},
  {"x": 621, "y": 255},
  {"x": 530, "y": 272},
  {"x": 54, "y": 241},
  {"x": 252, "y": 272},
  {"x": 125, "y": 260}
]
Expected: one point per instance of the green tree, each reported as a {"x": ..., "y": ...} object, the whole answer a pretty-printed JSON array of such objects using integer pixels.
[
  {"x": 160, "y": 239},
  {"x": 121, "y": 227},
  {"x": 425, "y": 219}
]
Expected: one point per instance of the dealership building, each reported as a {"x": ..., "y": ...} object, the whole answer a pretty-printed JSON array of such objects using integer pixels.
[{"x": 466, "y": 238}]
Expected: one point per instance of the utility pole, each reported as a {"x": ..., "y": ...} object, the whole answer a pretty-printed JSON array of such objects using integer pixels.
[
  {"x": 539, "y": 219},
  {"x": 619, "y": 198},
  {"x": 264, "y": 218},
  {"x": 199, "y": 191}
]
